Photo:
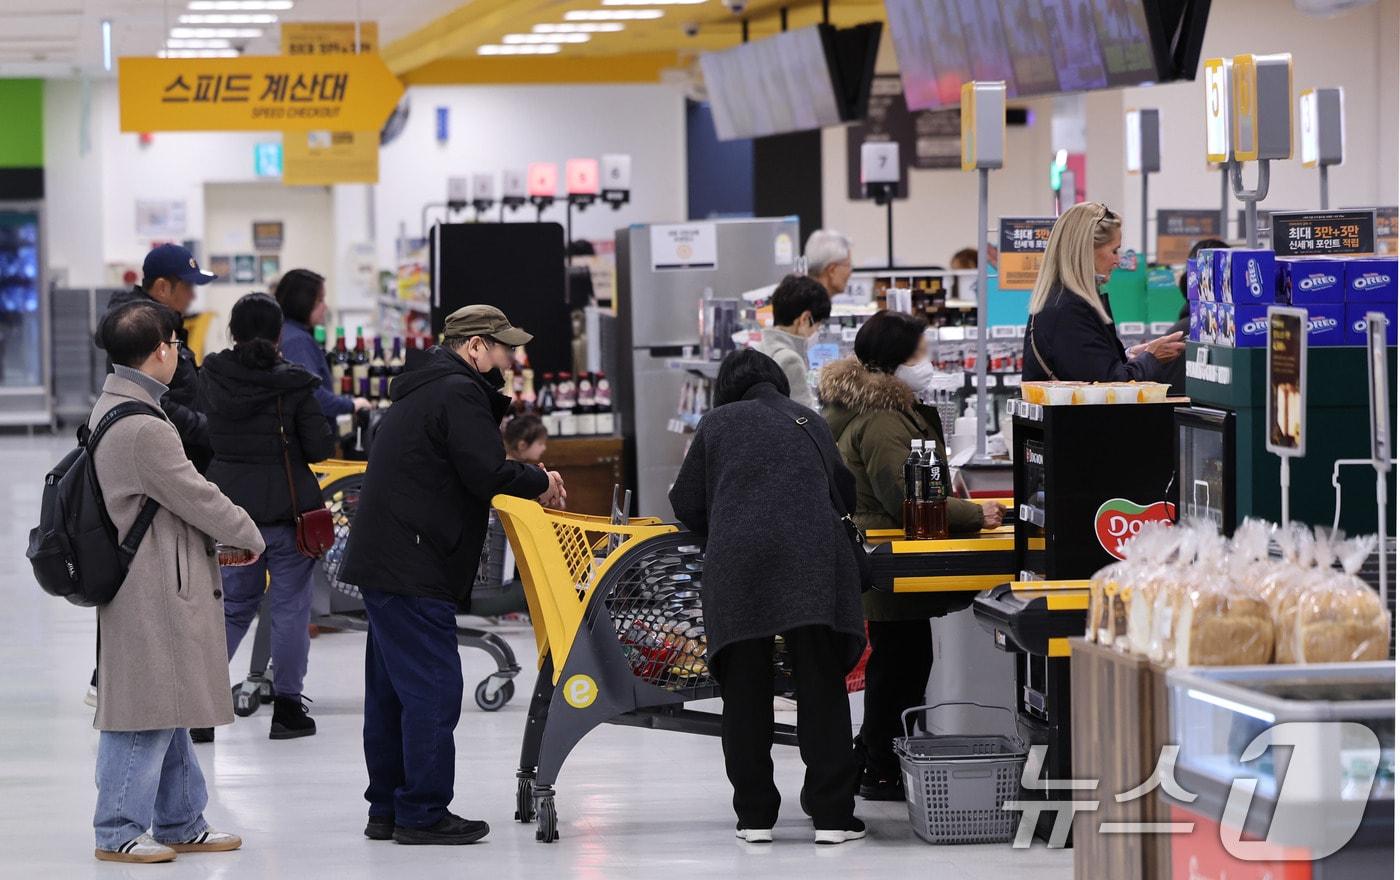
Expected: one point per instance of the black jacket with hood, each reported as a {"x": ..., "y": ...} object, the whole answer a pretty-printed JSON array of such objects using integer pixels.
[
  {"x": 179, "y": 402},
  {"x": 436, "y": 463},
  {"x": 240, "y": 403}
]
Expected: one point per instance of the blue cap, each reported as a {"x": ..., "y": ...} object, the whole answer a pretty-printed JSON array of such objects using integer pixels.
[{"x": 173, "y": 261}]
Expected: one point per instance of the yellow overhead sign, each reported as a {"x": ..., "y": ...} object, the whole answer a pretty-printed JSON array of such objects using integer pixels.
[
  {"x": 322, "y": 157},
  {"x": 328, "y": 37},
  {"x": 256, "y": 93}
]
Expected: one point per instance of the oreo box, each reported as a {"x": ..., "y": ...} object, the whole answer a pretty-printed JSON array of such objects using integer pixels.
[
  {"x": 1193, "y": 280},
  {"x": 1247, "y": 276},
  {"x": 1327, "y": 324},
  {"x": 1208, "y": 266},
  {"x": 1193, "y": 331},
  {"x": 1371, "y": 280},
  {"x": 1251, "y": 323},
  {"x": 1307, "y": 280},
  {"x": 1356, "y": 321}
]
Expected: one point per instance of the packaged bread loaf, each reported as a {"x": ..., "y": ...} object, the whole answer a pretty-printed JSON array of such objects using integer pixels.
[
  {"x": 1339, "y": 618},
  {"x": 1283, "y": 582},
  {"x": 1217, "y": 624},
  {"x": 1160, "y": 571},
  {"x": 1196, "y": 547}
]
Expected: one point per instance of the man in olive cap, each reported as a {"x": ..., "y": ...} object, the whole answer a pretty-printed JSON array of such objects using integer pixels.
[{"x": 436, "y": 462}]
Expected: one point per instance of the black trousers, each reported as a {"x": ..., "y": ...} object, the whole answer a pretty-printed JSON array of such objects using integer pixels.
[
  {"x": 896, "y": 678},
  {"x": 745, "y": 673}
]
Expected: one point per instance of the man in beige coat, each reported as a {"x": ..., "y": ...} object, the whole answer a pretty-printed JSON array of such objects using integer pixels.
[{"x": 162, "y": 663}]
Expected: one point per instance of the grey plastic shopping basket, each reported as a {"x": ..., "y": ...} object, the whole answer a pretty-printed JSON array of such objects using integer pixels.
[{"x": 955, "y": 785}]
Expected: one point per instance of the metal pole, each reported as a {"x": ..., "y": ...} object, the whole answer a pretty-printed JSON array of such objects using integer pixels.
[
  {"x": 981, "y": 241},
  {"x": 1322, "y": 182},
  {"x": 889, "y": 231},
  {"x": 1225, "y": 199},
  {"x": 1251, "y": 198},
  {"x": 1381, "y": 508},
  {"x": 569, "y": 232},
  {"x": 1144, "y": 219},
  {"x": 1284, "y": 480}
]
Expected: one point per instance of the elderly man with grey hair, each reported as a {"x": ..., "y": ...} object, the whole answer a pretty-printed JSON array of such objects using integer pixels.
[{"x": 828, "y": 256}]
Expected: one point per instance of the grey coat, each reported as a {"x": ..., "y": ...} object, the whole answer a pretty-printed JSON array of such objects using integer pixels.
[
  {"x": 163, "y": 660},
  {"x": 777, "y": 556},
  {"x": 790, "y": 353}
]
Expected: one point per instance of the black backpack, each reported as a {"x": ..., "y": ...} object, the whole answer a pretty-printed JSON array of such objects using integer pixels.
[{"x": 75, "y": 551}]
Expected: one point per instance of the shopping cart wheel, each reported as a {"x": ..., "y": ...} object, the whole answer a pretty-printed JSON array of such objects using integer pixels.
[
  {"x": 524, "y": 798},
  {"x": 246, "y": 697},
  {"x": 490, "y": 703},
  {"x": 548, "y": 830},
  {"x": 265, "y": 692}
]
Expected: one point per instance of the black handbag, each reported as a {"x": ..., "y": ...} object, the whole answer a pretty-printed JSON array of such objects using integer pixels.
[{"x": 853, "y": 531}]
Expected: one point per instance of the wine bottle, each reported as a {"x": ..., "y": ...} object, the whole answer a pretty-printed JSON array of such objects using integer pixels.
[
  {"x": 359, "y": 361},
  {"x": 584, "y": 413},
  {"x": 565, "y": 396},
  {"x": 545, "y": 405},
  {"x": 339, "y": 360},
  {"x": 378, "y": 370},
  {"x": 602, "y": 399}
]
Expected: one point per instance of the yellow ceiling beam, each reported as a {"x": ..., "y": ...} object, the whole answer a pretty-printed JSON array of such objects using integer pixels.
[
  {"x": 417, "y": 57},
  {"x": 543, "y": 69}
]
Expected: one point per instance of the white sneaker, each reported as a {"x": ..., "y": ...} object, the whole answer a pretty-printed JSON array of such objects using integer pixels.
[
  {"x": 90, "y": 698},
  {"x": 143, "y": 850},
  {"x": 209, "y": 841},
  {"x": 855, "y": 831},
  {"x": 755, "y": 835}
]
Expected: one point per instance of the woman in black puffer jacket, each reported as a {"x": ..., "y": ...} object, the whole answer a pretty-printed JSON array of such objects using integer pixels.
[{"x": 254, "y": 398}]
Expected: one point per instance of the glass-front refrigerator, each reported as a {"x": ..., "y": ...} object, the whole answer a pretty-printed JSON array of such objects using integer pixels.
[
  {"x": 1205, "y": 456},
  {"x": 24, "y": 393}
]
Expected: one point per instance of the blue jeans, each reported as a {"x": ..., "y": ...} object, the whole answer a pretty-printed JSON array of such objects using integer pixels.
[
  {"x": 413, "y": 699},
  {"x": 148, "y": 779},
  {"x": 288, "y": 604}
]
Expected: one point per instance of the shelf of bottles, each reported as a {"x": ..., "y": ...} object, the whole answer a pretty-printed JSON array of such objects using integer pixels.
[
  {"x": 569, "y": 405},
  {"x": 369, "y": 368}
]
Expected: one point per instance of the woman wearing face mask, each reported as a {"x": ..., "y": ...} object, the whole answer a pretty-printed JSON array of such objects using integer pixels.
[
  {"x": 1070, "y": 336},
  {"x": 800, "y": 306},
  {"x": 874, "y": 411}
]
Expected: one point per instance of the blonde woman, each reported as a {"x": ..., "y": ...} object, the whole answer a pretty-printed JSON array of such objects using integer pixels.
[{"x": 1071, "y": 336}]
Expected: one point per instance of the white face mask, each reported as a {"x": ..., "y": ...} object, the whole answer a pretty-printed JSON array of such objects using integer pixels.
[{"x": 917, "y": 377}]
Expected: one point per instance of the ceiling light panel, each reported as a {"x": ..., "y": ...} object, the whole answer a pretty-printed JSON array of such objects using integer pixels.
[
  {"x": 204, "y": 33},
  {"x": 235, "y": 18},
  {"x": 581, "y": 27},
  {"x": 613, "y": 14},
  {"x": 538, "y": 39},
  {"x": 198, "y": 44},
  {"x": 546, "y": 49},
  {"x": 240, "y": 5},
  {"x": 198, "y": 53}
]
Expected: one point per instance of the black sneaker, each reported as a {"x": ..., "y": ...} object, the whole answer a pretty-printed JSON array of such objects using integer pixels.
[
  {"x": 450, "y": 830},
  {"x": 202, "y": 734},
  {"x": 874, "y": 788},
  {"x": 290, "y": 719},
  {"x": 854, "y": 830},
  {"x": 380, "y": 828}
]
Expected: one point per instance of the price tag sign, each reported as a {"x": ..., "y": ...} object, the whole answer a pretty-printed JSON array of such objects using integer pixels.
[
  {"x": 1287, "y": 381},
  {"x": 1218, "y": 140},
  {"x": 1378, "y": 375},
  {"x": 1329, "y": 233},
  {"x": 543, "y": 179},
  {"x": 1022, "y": 249}
]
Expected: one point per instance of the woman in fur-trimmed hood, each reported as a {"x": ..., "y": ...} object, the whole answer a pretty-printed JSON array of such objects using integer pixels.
[{"x": 871, "y": 404}]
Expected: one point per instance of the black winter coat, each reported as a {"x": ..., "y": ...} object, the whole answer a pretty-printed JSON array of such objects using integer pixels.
[
  {"x": 776, "y": 553},
  {"x": 1078, "y": 346},
  {"x": 436, "y": 463},
  {"x": 179, "y": 402},
  {"x": 240, "y": 403}
]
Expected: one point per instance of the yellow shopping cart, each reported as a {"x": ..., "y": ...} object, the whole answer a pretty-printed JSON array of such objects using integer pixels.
[
  {"x": 338, "y": 605},
  {"x": 620, "y": 634}
]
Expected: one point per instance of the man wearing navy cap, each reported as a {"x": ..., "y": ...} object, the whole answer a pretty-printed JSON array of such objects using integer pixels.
[{"x": 169, "y": 277}]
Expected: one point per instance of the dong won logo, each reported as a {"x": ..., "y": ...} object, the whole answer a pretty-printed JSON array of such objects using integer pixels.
[{"x": 1119, "y": 520}]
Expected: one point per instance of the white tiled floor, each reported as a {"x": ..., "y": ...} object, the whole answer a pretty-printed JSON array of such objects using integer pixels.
[{"x": 631, "y": 802}]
